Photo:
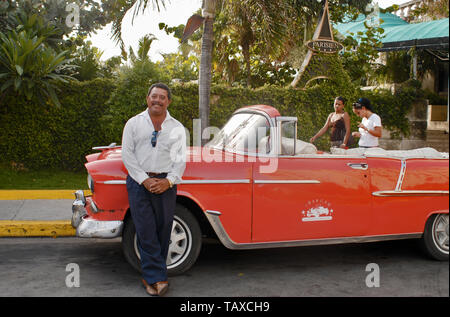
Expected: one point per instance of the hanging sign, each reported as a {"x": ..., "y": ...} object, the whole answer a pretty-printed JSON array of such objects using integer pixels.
[
  {"x": 322, "y": 42},
  {"x": 324, "y": 46}
]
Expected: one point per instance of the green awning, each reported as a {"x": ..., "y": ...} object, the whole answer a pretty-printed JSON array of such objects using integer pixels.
[
  {"x": 431, "y": 35},
  {"x": 387, "y": 19},
  {"x": 400, "y": 35}
]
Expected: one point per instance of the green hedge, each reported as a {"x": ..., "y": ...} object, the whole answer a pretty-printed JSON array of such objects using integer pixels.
[
  {"x": 311, "y": 106},
  {"x": 93, "y": 113},
  {"x": 56, "y": 137}
]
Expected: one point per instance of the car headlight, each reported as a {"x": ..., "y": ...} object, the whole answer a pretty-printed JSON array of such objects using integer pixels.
[{"x": 90, "y": 182}]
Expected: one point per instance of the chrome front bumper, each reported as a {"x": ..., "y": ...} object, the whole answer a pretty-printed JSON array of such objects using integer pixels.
[{"x": 87, "y": 227}]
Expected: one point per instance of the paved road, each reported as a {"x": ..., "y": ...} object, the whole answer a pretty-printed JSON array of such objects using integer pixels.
[{"x": 37, "y": 267}]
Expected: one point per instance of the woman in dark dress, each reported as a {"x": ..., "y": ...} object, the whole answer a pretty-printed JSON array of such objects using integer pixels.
[{"x": 339, "y": 123}]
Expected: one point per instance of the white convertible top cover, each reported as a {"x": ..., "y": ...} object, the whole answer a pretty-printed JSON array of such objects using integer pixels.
[{"x": 425, "y": 152}]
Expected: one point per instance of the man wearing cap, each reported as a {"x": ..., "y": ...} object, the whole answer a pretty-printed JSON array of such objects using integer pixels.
[
  {"x": 370, "y": 128},
  {"x": 154, "y": 153}
]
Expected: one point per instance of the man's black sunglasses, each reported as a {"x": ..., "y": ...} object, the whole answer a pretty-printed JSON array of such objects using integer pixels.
[{"x": 154, "y": 136}]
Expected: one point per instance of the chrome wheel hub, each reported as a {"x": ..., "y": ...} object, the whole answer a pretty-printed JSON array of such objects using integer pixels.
[
  {"x": 440, "y": 232},
  {"x": 180, "y": 243}
]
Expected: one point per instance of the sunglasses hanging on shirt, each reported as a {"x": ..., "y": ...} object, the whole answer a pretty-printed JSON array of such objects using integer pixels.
[{"x": 154, "y": 138}]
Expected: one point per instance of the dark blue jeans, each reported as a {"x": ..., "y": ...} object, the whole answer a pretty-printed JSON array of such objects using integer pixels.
[{"x": 152, "y": 215}]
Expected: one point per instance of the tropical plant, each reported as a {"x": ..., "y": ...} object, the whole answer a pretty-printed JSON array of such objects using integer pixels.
[
  {"x": 256, "y": 26},
  {"x": 111, "y": 66},
  {"x": 437, "y": 9},
  {"x": 116, "y": 10},
  {"x": 180, "y": 67},
  {"x": 144, "y": 45},
  {"x": 92, "y": 15},
  {"x": 360, "y": 54},
  {"x": 87, "y": 60},
  {"x": 128, "y": 98},
  {"x": 30, "y": 68},
  {"x": 36, "y": 43}
]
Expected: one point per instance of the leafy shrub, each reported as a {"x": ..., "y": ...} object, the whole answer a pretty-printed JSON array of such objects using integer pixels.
[{"x": 42, "y": 135}]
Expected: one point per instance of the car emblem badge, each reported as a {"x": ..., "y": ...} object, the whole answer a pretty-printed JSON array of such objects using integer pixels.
[{"x": 317, "y": 210}]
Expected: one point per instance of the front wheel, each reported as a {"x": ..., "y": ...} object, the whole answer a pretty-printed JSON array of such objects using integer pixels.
[
  {"x": 184, "y": 246},
  {"x": 435, "y": 237}
]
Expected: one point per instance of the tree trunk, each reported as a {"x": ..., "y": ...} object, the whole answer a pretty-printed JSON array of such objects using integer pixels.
[
  {"x": 246, "y": 53},
  {"x": 204, "y": 85}
]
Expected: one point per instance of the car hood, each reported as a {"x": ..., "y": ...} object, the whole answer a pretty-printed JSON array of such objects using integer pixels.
[
  {"x": 193, "y": 154},
  {"x": 201, "y": 163}
]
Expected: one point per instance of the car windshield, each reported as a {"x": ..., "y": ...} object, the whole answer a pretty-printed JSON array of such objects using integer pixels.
[{"x": 244, "y": 132}]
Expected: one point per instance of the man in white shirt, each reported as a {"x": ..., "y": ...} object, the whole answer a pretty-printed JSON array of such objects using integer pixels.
[
  {"x": 154, "y": 153},
  {"x": 370, "y": 128}
]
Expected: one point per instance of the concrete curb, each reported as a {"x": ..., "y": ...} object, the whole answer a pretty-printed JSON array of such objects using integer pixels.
[
  {"x": 33, "y": 228},
  {"x": 37, "y": 227},
  {"x": 13, "y": 194}
]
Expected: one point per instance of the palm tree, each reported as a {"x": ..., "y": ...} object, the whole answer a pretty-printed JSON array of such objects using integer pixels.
[
  {"x": 119, "y": 9},
  {"x": 261, "y": 23},
  {"x": 204, "y": 80},
  {"x": 144, "y": 45}
]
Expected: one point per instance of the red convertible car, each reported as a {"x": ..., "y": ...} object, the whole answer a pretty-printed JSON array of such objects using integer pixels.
[{"x": 256, "y": 186}]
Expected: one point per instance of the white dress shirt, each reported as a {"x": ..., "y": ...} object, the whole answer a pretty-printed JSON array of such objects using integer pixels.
[
  {"x": 168, "y": 156},
  {"x": 370, "y": 123}
]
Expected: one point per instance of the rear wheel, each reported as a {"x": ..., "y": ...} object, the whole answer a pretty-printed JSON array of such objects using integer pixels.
[
  {"x": 435, "y": 237},
  {"x": 184, "y": 246}
]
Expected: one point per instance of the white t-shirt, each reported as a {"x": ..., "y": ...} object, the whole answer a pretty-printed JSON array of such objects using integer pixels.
[{"x": 368, "y": 139}]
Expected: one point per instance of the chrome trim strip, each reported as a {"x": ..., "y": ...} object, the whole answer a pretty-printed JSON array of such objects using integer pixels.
[
  {"x": 105, "y": 147},
  {"x": 216, "y": 181},
  {"x": 322, "y": 156},
  {"x": 217, "y": 226},
  {"x": 253, "y": 111},
  {"x": 94, "y": 207},
  {"x": 214, "y": 212},
  {"x": 281, "y": 118},
  {"x": 114, "y": 182},
  {"x": 405, "y": 158},
  {"x": 398, "y": 192},
  {"x": 403, "y": 193},
  {"x": 401, "y": 176},
  {"x": 358, "y": 166},
  {"x": 306, "y": 181},
  {"x": 230, "y": 244},
  {"x": 189, "y": 181}
]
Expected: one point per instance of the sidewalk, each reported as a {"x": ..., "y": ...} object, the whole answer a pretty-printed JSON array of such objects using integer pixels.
[{"x": 36, "y": 213}]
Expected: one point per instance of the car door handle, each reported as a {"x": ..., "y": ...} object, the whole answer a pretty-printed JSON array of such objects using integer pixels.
[{"x": 358, "y": 166}]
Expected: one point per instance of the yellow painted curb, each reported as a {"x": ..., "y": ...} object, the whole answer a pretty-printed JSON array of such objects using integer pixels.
[
  {"x": 13, "y": 194},
  {"x": 33, "y": 228}
]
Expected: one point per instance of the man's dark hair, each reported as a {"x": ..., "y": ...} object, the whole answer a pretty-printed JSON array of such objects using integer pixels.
[{"x": 162, "y": 86}]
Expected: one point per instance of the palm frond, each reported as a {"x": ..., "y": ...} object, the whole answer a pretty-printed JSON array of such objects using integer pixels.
[{"x": 121, "y": 7}]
